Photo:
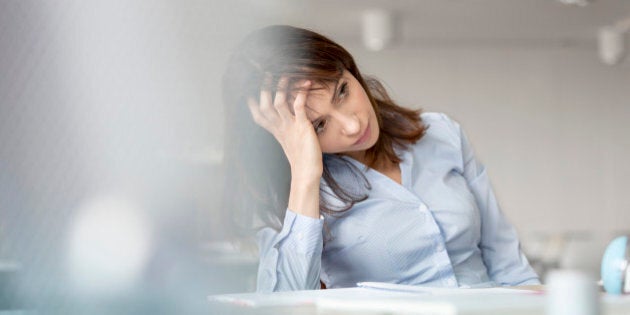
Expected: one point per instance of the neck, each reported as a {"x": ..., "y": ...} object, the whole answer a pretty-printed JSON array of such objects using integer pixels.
[
  {"x": 383, "y": 165},
  {"x": 357, "y": 155}
]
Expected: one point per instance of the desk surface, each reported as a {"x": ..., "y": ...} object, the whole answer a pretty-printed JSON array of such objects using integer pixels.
[{"x": 372, "y": 301}]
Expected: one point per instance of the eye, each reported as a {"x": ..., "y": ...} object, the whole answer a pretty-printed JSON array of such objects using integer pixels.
[
  {"x": 319, "y": 126},
  {"x": 343, "y": 90}
]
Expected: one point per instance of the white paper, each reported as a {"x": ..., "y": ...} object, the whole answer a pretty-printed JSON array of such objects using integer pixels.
[
  {"x": 440, "y": 291},
  {"x": 307, "y": 297}
]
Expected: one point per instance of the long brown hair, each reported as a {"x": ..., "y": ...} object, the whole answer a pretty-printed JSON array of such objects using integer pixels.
[{"x": 258, "y": 176}]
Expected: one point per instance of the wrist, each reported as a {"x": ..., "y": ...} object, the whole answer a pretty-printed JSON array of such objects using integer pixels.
[
  {"x": 305, "y": 184},
  {"x": 304, "y": 198},
  {"x": 306, "y": 174}
]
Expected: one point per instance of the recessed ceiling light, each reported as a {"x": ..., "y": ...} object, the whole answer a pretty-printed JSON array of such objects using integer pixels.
[{"x": 580, "y": 3}]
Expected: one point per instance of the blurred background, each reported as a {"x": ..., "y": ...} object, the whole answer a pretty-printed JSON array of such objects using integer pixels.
[{"x": 111, "y": 132}]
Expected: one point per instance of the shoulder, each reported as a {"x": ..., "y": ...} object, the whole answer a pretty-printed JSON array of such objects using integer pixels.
[
  {"x": 442, "y": 144},
  {"x": 441, "y": 125},
  {"x": 438, "y": 118}
]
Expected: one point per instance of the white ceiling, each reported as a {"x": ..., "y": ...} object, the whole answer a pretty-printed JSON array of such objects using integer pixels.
[{"x": 459, "y": 21}]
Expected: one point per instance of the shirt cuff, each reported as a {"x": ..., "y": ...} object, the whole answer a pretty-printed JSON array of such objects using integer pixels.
[{"x": 304, "y": 233}]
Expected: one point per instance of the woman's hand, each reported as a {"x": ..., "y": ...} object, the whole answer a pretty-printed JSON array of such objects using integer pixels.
[{"x": 295, "y": 133}]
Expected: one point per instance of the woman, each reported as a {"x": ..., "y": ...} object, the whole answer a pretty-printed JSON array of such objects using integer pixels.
[{"x": 359, "y": 188}]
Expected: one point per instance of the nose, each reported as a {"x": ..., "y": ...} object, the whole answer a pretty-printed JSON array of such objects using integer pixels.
[{"x": 350, "y": 124}]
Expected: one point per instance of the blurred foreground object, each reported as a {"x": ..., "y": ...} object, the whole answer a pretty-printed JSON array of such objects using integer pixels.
[
  {"x": 109, "y": 246},
  {"x": 571, "y": 292}
]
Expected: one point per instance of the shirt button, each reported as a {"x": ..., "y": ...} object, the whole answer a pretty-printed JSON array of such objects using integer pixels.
[
  {"x": 439, "y": 247},
  {"x": 300, "y": 236},
  {"x": 450, "y": 282}
]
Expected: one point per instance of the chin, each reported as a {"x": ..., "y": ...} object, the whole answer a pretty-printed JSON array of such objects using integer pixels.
[{"x": 368, "y": 145}]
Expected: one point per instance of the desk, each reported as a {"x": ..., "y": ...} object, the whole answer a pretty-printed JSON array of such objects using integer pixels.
[{"x": 371, "y": 301}]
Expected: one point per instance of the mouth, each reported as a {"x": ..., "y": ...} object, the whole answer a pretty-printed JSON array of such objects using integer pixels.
[{"x": 365, "y": 136}]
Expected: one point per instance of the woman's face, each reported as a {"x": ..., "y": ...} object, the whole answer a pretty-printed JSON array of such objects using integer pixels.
[{"x": 343, "y": 117}]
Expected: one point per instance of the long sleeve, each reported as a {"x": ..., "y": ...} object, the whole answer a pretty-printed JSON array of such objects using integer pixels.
[
  {"x": 291, "y": 259},
  {"x": 501, "y": 251}
]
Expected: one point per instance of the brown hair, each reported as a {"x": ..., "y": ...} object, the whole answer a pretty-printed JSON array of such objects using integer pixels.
[{"x": 282, "y": 50}]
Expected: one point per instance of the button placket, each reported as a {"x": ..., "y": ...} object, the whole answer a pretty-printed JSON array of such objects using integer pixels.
[{"x": 439, "y": 247}]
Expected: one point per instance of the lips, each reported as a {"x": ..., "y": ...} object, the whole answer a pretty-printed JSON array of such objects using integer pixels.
[{"x": 365, "y": 136}]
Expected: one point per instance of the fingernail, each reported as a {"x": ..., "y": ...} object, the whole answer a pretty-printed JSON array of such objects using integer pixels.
[{"x": 307, "y": 83}]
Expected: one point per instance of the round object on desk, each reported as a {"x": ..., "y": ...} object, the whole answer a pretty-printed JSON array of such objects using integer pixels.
[{"x": 615, "y": 266}]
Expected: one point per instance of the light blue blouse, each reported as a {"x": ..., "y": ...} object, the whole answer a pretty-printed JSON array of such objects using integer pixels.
[{"x": 441, "y": 227}]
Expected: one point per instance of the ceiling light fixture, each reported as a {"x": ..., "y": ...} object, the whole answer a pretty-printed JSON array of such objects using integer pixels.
[
  {"x": 612, "y": 42},
  {"x": 378, "y": 29}
]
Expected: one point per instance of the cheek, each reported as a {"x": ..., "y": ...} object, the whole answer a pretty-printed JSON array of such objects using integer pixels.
[
  {"x": 363, "y": 105},
  {"x": 324, "y": 145},
  {"x": 328, "y": 144}
]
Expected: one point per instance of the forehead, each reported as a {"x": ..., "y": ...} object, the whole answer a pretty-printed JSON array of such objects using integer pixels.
[
  {"x": 317, "y": 87},
  {"x": 321, "y": 83},
  {"x": 319, "y": 92},
  {"x": 320, "y": 95}
]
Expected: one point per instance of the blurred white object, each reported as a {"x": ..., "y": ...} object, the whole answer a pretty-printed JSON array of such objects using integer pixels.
[
  {"x": 571, "y": 292},
  {"x": 109, "y": 246},
  {"x": 378, "y": 29},
  {"x": 612, "y": 42}
]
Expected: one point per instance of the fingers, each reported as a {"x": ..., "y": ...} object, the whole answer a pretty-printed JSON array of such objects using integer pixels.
[
  {"x": 257, "y": 115},
  {"x": 266, "y": 100},
  {"x": 300, "y": 102},
  {"x": 269, "y": 113},
  {"x": 280, "y": 102}
]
